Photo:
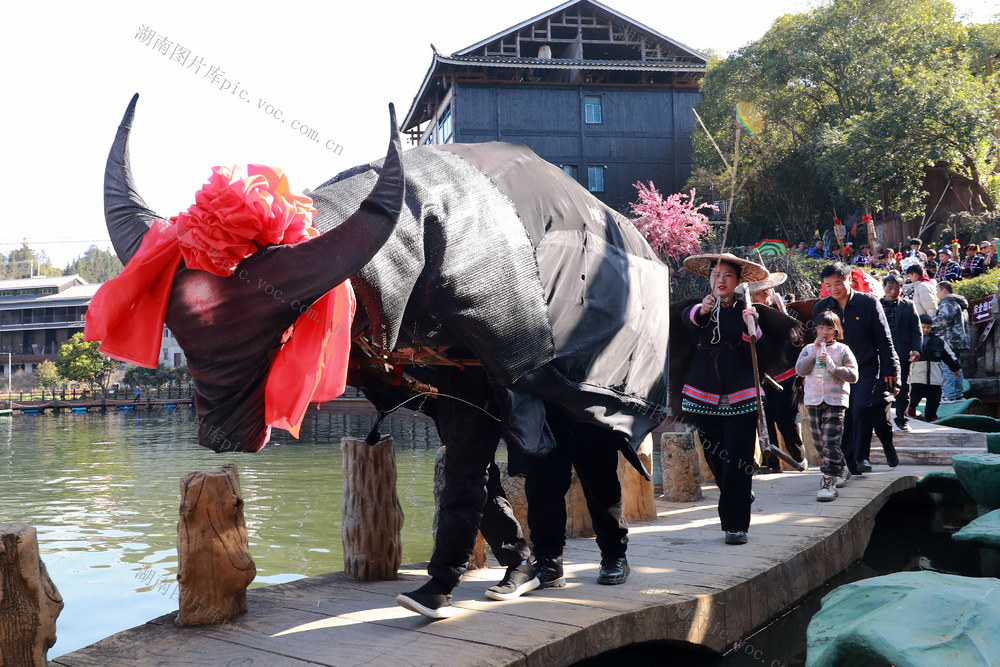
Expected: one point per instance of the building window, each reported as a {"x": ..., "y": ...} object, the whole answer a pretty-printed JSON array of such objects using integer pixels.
[
  {"x": 595, "y": 179},
  {"x": 445, "y": 129},
  {"x": 592, "y": 110},
  {"x": 569, "y": 169}
]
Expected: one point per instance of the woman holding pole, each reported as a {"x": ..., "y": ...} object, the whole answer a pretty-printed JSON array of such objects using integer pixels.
[{"x": 712, "y": 352}]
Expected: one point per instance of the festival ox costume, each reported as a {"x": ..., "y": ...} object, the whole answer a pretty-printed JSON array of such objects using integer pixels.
[{"x": 480, "y": 253}]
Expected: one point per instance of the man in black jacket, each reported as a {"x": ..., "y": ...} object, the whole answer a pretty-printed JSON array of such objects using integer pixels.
[
  {"x": 905, "y": 327},
  {"x": 866, "y": 332}
]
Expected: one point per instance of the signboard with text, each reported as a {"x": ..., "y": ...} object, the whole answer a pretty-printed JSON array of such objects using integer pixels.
[{"x": 981, "y": 310}]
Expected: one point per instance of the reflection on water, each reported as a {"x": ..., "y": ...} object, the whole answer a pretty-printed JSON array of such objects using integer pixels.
[{"x": 103, "y": 492}]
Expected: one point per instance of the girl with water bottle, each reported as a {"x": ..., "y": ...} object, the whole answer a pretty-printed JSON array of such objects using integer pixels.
[{"x": 829, "y": 368}]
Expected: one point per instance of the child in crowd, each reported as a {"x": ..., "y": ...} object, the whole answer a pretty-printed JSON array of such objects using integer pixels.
[
  {"x": 829, "y": 368},
  {"x": 925, "y": 374}
]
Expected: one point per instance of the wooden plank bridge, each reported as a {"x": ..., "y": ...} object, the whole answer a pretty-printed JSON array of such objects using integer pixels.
[{"x": 686, "y": 586}]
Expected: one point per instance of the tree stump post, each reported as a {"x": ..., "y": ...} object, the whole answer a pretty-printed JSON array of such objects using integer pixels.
[
  {"x": 29, "y": 601},
  {"x": 478, "y": 558},
  {"x": 638, "y": 496},
  {"x": 578, "y": 523},
  {"x": 214, "y": 565},
  {"x": 373, "y": 518},
  {"x": 682, "y": 474}
]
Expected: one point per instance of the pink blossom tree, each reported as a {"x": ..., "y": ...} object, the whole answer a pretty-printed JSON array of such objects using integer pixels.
[{"x": 672, "y": 226}]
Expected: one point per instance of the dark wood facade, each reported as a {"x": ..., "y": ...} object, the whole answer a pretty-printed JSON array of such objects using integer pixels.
[{"x": 612, "y": 107}]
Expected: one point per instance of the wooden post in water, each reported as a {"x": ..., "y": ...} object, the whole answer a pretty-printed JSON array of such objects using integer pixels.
[
  {"x": 373, "y": 518},
  {"x": 214, "y": 566},
  {"x": 29, "y": 601}
]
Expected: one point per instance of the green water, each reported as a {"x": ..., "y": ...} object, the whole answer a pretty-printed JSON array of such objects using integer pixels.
[{"x": 103, "y": 491}]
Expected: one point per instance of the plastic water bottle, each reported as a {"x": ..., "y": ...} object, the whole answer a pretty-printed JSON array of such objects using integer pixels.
[{"x": 821, "y": 365}]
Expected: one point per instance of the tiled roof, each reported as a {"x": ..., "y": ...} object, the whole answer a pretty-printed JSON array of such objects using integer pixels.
[
  {"x": 36, "y": 282},
  {"x": 560, "y": 63}
]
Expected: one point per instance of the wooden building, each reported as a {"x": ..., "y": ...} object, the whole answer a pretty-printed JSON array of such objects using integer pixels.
[{"x": 587, "y": 88}]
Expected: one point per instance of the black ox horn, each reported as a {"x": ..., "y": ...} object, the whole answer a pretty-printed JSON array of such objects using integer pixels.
[
  {"x": 128, "y": 218},
  {"x": 125, "y": 212}
]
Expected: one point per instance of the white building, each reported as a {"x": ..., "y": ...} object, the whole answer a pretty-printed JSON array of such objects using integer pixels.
[{"x": 39, "y": 314}]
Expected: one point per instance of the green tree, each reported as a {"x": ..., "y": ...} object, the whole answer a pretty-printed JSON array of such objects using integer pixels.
[
  {"x": 180, "y": 375},
  {"x": 25, "y": 262},
  {"x": 861, "y": 100},
  {"x": 95, "y": 265},
  {"x": 48, "y": 375},
  {"x": 80, "y": 361},
  {"x": 138, "y": 376},
  {"x": 21, "y": 381}
]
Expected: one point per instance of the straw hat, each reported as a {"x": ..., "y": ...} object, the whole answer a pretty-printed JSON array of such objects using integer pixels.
[
  {"x": 772, "y": 280},
  {"x": 749, "y": 271}
]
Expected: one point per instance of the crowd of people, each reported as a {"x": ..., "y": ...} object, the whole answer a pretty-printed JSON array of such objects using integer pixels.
[
  {"x": 874, "y": 358},
  {"x": 951, "y": 262},
  {"x": 741, "y": 362}
]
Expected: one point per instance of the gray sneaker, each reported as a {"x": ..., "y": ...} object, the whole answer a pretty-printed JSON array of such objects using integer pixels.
[
  {"x": 828, "y": 490},
  {"x": 842, "y": 478}
]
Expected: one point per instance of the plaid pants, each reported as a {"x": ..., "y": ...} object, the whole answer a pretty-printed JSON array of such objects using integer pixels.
[{"x": 827, "y": 425}]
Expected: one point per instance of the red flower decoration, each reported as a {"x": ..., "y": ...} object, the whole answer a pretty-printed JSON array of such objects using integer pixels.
[{"x": 234, "y": 215}]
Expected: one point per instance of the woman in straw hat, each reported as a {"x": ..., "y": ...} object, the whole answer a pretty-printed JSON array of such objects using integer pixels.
[
  {"x": 780, "y": 403},
  {"x": 710, "y": 355}
]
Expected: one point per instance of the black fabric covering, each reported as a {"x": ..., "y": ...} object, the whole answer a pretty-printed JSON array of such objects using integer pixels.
[
  {"x": 459, "y": 268},
  {"x": 502, "y": 252}
]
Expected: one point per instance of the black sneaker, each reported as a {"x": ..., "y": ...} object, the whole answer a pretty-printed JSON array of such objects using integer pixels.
[
  {"x": 519, "y": 580},
  {"x": 549, "y": 572},
  {"x": 864, "y": 466},
  {"x": 432, "y": 600},
  {"x": 613, "y": 571},
  {"x": 736, "y": 537}
]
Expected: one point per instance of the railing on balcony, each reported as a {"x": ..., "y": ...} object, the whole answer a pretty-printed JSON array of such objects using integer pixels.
[{"x": 50, "y": 348}]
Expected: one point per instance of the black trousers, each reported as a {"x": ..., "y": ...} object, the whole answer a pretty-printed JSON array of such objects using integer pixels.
[
  {"x": 932, "y": 392},
  {"x": 903, "y": 397},
  {"x": 780, "y": 410},
  {"x": 472, "y": 498},
  {"x": 590, "y": 451},
  {"x": 866, "y": 413},
  {"x": 728, "y": 443}
]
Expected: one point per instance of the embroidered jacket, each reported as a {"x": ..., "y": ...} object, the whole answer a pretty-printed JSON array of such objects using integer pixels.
[
  {"x": 973, "y": 266},
  {"x": 720, "y": 367},
  {"x": 950, "y": 271}
]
